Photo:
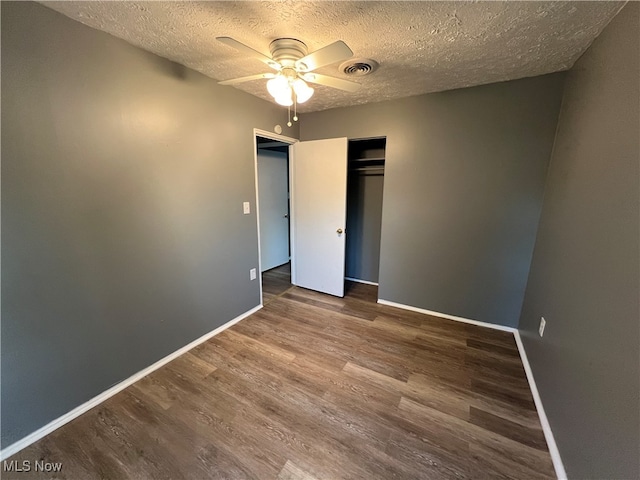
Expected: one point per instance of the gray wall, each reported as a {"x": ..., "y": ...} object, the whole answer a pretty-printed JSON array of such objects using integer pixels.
[
  {"x": 584, "y": 274},
  {"x": 464, "y": 178},
  {"x": 123, "y": 239}
]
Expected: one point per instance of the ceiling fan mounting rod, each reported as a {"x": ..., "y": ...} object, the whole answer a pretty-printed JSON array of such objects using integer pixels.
[{"x": 286, "y": 51}]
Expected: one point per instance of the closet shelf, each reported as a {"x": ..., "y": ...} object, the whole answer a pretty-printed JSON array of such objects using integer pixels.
[{"x": 362, "y": 163}]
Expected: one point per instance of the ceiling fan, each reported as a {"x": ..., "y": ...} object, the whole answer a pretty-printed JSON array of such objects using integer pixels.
[{"x": 294, "y": 67}]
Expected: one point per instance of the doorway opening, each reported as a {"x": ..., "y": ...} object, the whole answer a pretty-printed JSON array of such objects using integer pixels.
[{"x": 273, "y": 212}]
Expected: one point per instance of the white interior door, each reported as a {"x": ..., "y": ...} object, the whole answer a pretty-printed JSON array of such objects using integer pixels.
[
  {"x": 273, "y": 191},
  {"x": 318, "y": 171}
]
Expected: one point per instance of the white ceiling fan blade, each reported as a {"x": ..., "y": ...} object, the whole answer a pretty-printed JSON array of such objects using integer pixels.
[
  {"x": 259, "y": 76},
  {"x": 332, "y": 53},
  {"x": 249, "y": 51},
  {"x": 333, "y": 82}
]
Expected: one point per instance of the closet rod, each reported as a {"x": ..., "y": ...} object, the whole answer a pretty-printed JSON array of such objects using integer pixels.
[{"x": 366, "y": 169}]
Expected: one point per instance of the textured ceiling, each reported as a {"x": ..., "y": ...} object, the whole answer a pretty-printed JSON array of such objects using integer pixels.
[{"x": 422, "y": 47}]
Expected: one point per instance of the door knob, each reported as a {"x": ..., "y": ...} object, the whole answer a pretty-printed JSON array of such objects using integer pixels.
[{"x": 339, "y": 231}]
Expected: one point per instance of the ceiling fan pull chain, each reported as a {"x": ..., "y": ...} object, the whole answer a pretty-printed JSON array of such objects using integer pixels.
[
  {"x": 289, "y": 111},
  {"x": 295, "y": 107}
]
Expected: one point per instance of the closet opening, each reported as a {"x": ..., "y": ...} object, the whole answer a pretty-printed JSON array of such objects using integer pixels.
[{"x": 365, "y": 182}]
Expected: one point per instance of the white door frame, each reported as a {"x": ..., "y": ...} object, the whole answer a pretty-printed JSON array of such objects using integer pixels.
[{"x": 280, "y": 138}]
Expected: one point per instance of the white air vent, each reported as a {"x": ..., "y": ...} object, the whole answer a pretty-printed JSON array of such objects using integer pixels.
[{"x": 358, "y": 67}]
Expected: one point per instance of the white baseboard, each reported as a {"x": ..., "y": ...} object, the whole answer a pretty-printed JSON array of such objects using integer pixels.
[
  {"x": 544, "y": 422},
  {"x": 447, "y": 316},
  {"x": 76, "y": 412},
  {"x": 357, "y": 280}
]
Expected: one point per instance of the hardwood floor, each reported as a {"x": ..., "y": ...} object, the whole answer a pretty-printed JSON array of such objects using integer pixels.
[
  {"x": 318, "y": 387},
  {"x": 275, "y": 282}
]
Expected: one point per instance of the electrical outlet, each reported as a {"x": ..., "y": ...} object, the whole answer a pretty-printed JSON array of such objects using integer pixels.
[
  {"x": 252, "y": 274},
  {"x": 543, "y": 323},
  {"x": 246, "y": 208}
]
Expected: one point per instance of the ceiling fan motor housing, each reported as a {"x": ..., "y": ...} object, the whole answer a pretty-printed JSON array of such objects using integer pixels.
[{"x": 286, "y": 51}]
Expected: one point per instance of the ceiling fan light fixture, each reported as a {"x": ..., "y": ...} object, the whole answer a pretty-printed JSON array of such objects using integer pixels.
[
  {"x": 285, "y": 99},
  {"x": 282, "y": 87},
  {"x": 302, "y": 90},
  {"x": 278, "y": 86}
]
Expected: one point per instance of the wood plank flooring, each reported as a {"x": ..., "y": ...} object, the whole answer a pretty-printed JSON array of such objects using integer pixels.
[
  {"x": 275, "y": 282},
  {"x": 317, "y": 387}
]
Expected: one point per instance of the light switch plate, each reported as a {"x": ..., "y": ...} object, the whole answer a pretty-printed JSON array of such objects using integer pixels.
[
  {"x": 246, "y": 208},
  {"x": 543, "y": 323},
  {"x": 252, "y": 274}
]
